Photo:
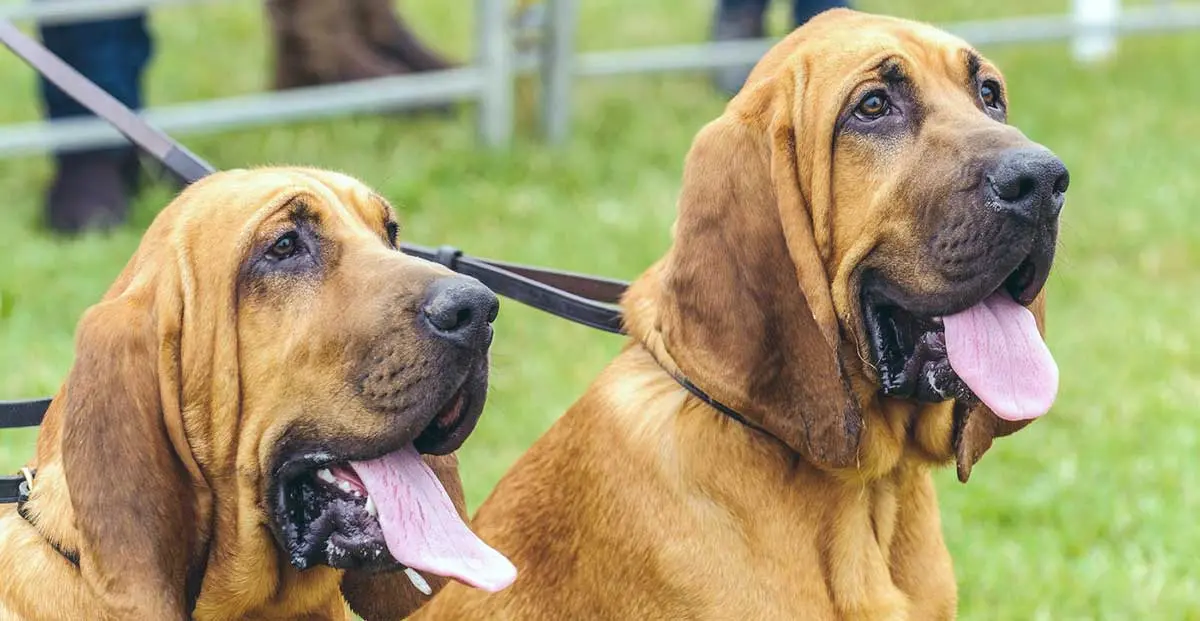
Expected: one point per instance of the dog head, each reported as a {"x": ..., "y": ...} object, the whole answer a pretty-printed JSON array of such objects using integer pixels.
[
  {"x": 861, "y": 249},
  {"x": 253, "y": 395}
]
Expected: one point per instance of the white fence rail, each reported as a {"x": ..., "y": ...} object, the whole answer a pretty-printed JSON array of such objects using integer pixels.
[
  {"x": 488, "y": 81},
  {"x": 1093, "y": 28}
]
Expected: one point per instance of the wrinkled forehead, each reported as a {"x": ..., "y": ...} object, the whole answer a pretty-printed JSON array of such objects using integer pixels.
[
  {"x": 840, "y": 40},
  {"x": 838, "y": 50},
  {"x": 351, "y": 198},
  {"x": 231, "y": 205}
]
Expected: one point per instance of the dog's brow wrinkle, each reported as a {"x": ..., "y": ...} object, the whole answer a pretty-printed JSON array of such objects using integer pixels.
[
  {"x": 300, "y": 211},
  {"x": 973, "y": 64},
  {"x": 891, "y": 70}
]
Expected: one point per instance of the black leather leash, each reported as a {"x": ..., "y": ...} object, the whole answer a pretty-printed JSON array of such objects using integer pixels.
[{"x": 588, "y": 300}]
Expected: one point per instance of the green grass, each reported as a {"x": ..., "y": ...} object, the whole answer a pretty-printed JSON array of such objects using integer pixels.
[{"x": 1089, "y": 514}]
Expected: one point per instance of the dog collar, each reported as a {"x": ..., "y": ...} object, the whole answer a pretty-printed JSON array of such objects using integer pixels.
[
  {"x": 17, "y": 489},
  {"x": 708, "y": 399}
]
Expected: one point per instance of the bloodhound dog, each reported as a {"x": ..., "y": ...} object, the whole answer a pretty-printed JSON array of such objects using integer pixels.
[
  {"x": 240, "y": 435},
  {"x": 853, "y": 296}
]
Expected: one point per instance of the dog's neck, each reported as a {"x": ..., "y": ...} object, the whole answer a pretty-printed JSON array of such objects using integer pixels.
[
  {"x": 894, "y": 441},
  {"x": 50, "y": 514},
  {"x": 869, "y": 521},
  {"x": 877, "y": 522},
  {"x": 896, "y": 431}
]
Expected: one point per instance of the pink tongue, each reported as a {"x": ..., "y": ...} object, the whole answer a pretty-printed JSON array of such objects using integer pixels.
[
  {"x": 421, "y": 527},
  {"x": 996, "y": 349}
]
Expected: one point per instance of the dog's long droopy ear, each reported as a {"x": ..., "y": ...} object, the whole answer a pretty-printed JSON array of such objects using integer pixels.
[
  {"x": 746, "y": 310},
  {"x": 391, "y": 595},
  {"x": 129, "y": 490}
]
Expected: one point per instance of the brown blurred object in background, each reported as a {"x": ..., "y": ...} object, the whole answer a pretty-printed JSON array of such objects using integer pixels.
[{"x": 328, "y": 41}]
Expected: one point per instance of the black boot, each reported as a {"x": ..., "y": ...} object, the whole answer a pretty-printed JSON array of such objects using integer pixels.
[{"x": 90, "y": 190}]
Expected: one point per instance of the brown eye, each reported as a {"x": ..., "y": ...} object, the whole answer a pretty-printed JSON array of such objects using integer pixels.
[
  {"x": 989, "y": 92},
  {"x": 285, "y": 246},
  {"x": 873, "y": 105}
]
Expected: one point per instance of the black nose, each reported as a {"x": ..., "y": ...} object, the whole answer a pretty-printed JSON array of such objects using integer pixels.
[
  {"x": 1029, "y": 183},
  {"x": 461, "y": 310}
]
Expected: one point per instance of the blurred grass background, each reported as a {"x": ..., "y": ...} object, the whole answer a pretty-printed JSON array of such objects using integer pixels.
[{"x": 1088, "y": 514}]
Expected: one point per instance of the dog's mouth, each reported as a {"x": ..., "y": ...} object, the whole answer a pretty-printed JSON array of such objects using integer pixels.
[
  {"x": 384, "y": 511},
  {"x": 985, "y": 349}
]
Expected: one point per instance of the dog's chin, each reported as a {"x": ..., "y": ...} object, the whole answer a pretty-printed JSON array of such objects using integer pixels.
[
  {"x": 324, "y": 524},
  {"x": 321, "y": 512},
  {"x": 907, "y": 339}
]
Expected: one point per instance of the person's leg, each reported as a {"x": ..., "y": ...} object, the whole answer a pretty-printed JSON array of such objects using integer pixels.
[
  {"x": 91, "y": 188},
  {"x": 318, "y": 42},
  {"x": 737, "y": 19},
  {"x": 804, "y": 10},
  {"x": 383, "y": 27}
]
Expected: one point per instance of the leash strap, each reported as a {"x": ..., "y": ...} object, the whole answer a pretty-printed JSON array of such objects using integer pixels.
[
  {"x": 588, "y": 300},
  {"x": 22, "y": 413},
  {"x": 183, "y": 163},
  {"x": 10, "y": 489}
]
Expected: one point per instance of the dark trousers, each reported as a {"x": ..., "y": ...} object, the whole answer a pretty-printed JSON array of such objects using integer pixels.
[
  {"x": 91, "y": 187},
  {"x": 802, "y": 10},
  {"x": 112, "y": 53}
]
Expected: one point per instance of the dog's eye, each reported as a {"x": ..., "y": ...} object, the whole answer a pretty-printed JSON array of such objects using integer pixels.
[
  {"x": 873, "y": 105},
  {"x": 286, "y": 246},
  {"x": 989, "y": 92}
]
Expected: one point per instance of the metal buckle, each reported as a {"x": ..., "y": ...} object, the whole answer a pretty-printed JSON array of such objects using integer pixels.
[
  {"x": 26, "y": 486},
  {"x": 448, "y": 256}
]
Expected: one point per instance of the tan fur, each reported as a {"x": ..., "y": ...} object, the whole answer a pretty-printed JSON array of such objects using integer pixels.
[
  {"x": 643, "y": 502},
  {"x": 151, "y": 464}
]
